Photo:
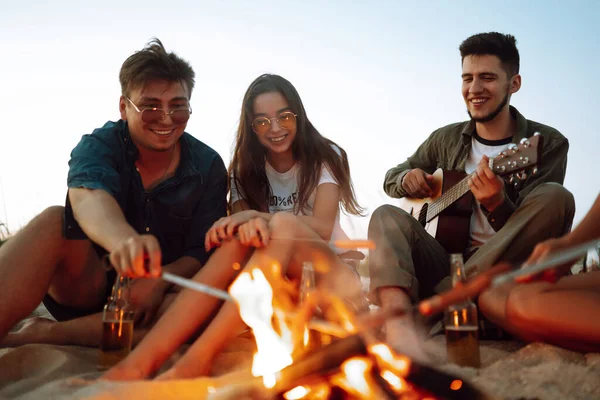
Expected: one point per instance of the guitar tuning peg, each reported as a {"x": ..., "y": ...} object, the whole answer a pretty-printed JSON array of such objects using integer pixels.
[
  {"x": 511, "y": 178},
  {"x": 534, "y": 171},
  {"x": 536, "y": 134},
  {"x": 522, "y": 175},
  {"x": 525, "y": 142},
  {"x": 513, "y": 147}
]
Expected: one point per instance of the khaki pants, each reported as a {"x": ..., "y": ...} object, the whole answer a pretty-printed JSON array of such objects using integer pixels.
[{"x": 408, "y": 257}]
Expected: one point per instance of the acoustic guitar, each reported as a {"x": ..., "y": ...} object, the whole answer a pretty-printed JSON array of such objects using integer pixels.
[{"x": 446, "y": 214}]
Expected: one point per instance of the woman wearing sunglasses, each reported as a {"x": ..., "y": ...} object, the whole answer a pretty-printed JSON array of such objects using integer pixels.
[{"x": 287, "y": 185}]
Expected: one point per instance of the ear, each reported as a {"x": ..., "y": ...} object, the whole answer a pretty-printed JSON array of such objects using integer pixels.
[
  {"x": 123, "y": 108},
  {"x": 515, "y": 84}
]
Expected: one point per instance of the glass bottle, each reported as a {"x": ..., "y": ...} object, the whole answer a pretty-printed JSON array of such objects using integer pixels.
[
  {"x": 117, "y": 325},
  {"x": 312, "y": 338},
  {"x": 461, "y": 323}
]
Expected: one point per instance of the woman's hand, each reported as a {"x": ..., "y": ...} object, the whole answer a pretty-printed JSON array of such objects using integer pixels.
[
  {"x": 542, "y": 251},
  {"x": 254, "y": 233},
  {"x": 226, "y": 227}
]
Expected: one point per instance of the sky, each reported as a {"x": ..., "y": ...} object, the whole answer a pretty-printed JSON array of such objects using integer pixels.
[{"x": 377, "y": 77}]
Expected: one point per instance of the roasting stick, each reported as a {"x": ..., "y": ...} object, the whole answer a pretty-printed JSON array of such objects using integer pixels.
[
  {"x": 221, "y": 294},
  {"x": 349, "y": 244},
  {"x": 498, "y": 275},
  {"x": 554, "y": 260}
]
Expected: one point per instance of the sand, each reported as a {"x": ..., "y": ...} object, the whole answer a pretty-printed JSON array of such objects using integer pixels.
[{"x": 510, "y": 370}]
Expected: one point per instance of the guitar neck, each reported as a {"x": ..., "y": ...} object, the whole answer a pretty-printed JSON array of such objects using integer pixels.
[{"x": 447, "y": 198}]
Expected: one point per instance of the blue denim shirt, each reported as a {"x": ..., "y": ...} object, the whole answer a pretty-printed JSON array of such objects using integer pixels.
[{"x": 179, "y": 211}]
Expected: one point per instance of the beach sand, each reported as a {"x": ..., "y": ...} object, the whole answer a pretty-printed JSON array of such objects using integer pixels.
[{"x": 510, "y": 370}]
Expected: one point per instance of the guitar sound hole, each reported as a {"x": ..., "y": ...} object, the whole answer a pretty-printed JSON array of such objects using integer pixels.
[{"x": 423, "y": 214}]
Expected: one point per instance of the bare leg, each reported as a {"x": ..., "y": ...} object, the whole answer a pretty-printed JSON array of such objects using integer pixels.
[
  {"x": 183, "y": 318},
  {"x": 565, "y": 314},
  {"x": 38, "y": 260},
  {"x": 84, "y": 331},
  {"x": 198, "y": 360}
]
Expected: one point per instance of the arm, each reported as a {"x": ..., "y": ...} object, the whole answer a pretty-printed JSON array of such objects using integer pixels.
[
  {"x": 100, "y": 217},
  {"x": 424, "y": 158},
  {"x": 588, "y": 229},
  {"x": 325, "y": 210},
  {"x": 94, "y": 182}
]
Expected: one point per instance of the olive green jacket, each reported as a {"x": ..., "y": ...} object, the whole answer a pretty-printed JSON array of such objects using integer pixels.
[{"x": 448, "y": 148}]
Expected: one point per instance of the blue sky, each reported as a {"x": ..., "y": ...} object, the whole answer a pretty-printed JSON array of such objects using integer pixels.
[{"x": 376, "y": 77}]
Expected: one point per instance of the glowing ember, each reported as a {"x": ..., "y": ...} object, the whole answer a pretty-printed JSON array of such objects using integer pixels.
[
  {"x": 456, "y": 384},
  {"x": 254, "y": 297},
  {"x": 355, "y": 377},
  {"x": 395, "y": 382},
  {"x": 296, "y": 393}
]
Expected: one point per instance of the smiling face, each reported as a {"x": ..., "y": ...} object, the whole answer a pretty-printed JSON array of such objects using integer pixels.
[
  {"x": 487, "y": 87},
  {"x": 277, "y": 141},
  {"x": 156, "y": 135}
]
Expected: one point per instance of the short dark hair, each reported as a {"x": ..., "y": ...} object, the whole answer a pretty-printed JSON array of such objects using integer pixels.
[
  {"x": 154, "y": 63},
  {"x": 496, "y": 44}
]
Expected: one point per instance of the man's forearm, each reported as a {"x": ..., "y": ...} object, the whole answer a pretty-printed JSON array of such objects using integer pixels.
[{"x": 100, "y": 217}]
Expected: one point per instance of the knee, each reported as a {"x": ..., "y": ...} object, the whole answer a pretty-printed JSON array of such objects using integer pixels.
[
  {"x": 388, "y": 217},
  {"x": 556, "y": 202},
  {"x": 554, "y": 196},
  {"x": 51, "y": 216},
  {"x": 283, "y": 223}
]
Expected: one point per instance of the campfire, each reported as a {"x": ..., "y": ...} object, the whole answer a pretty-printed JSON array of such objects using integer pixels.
[{"x": 321, "y": 350}]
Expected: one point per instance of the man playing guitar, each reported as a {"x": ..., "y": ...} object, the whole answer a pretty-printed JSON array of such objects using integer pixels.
[{"x": 507, "y": 219}]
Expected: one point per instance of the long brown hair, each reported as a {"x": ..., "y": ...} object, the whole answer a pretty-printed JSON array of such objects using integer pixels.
[{"x": 311, "y": 151}]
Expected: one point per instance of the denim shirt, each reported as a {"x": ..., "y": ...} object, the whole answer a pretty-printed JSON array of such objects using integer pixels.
[{"x": 179, "y": 211}]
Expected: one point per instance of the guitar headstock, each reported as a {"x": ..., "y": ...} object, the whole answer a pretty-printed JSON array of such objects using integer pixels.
[{"x": 517, "y": 159}]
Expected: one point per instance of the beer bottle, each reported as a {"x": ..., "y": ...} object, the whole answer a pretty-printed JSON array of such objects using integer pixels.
[
  {"x": 460, "y": 321},
  {"x": 312, "y": 338},
  {"x": 117, "y": 325}
]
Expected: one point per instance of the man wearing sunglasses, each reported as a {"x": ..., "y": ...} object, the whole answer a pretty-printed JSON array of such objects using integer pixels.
[{"x": 139, "y": 188}]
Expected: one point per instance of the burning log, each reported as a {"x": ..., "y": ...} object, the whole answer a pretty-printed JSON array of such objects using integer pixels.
[
  {"x": 321, "y": 362},
  {"x": 443, "y": 385}
]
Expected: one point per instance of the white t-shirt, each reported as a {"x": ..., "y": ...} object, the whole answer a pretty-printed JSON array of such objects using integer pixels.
[
  {"x": 284, "y": 186},
  {"x": 481, "y": 230}
]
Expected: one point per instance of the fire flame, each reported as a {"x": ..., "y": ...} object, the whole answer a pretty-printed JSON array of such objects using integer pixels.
[
  {"x": 254, "y": 297},
  {"x": 355, "y": 377},
  {"x": 275, "y": 341}
]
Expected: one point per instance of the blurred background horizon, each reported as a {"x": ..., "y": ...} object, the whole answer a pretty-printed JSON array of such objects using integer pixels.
[{"x": 375, "y": 77}]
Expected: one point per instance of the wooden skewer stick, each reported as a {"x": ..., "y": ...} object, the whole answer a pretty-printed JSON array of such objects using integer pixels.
[
  {"x": 349, "y": 244},
  {"x": 499, "y": 275}
]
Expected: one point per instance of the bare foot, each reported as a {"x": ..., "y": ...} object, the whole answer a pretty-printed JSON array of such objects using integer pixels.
[
  {"x": 179, "y": 371},
  {"x": 403, "y": 336},
  {"x": 34, "y": 330},
  {"x": 123, "y": 372}
]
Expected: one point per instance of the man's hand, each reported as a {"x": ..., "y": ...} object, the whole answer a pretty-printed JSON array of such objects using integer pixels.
[
  {"x": 487, "y": 188},
  {"x": 254, "y": 233},
  {"x": 417, "y": 183},
  {"x": 146, "y": 296},
  {"x": 128, "y": 257},
  {"x": 226, "y": 227}
]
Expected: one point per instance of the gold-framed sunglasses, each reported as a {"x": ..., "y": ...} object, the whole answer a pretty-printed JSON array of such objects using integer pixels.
[
  {"x": 286, "y": 120},
  {"x": 150, "y": 115}
]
